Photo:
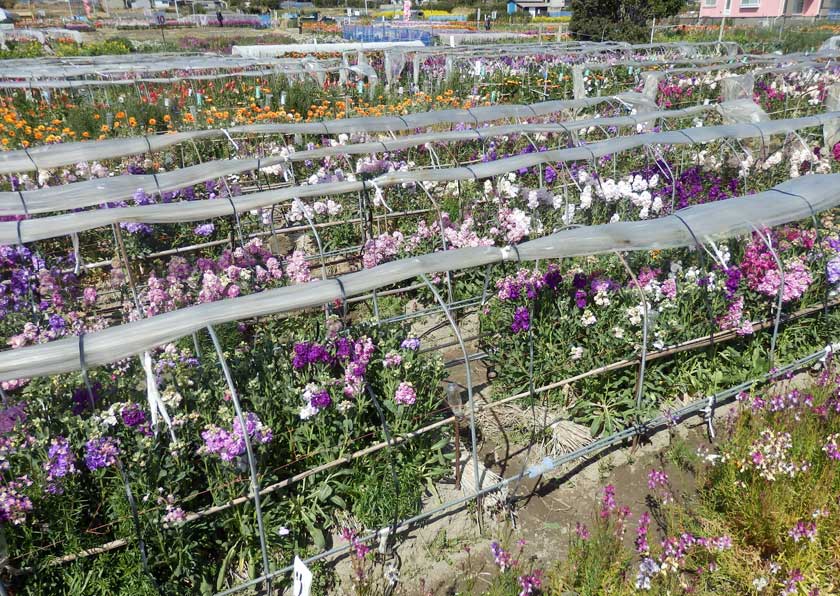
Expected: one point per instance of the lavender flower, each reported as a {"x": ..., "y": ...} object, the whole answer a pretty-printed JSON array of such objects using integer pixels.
[
  {"x": 204, "y": 230},
  {"x": 60, "y": 463},
  {"x": 13, "y": 503},
  {"x": 229, "y": 445},
  {"x": 410, "y": 343},
  {"x": 101, "y": 453}
]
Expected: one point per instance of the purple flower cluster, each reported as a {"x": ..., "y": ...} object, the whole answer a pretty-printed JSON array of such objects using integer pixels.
[
  {"x": 832, "y": 446},
  {"x": 13, "y": 503},
  {"x": 82, "y": 398},
  {"x": 642, "y": 546},
  {"x": 608, "y": 504},
  {"x": 229, "y": 445},
  {"x": 12, "y": 416},
  {"x": 656, "y": 479},
  {"x": 321, "y": 399},
  {"x": 204, "y": 230},
  {"x": 410, "y": 343},
  {"x": 803, "y": 531},
  {"x": 531, "y": 582},
  {"x": 581, "y": 531},
  {"x": 360, "y": 549},
  {"x": 133, "y": 416},
  {"x": 832, "y": 271},
  {"x": 61, "y": 462},
  {"x": 307, "y": 353},
  {"x": 503, "y": 559},
  {"x": 527, "y": 282},
  {"x": 521, "y": 320},
  {"x": 101, "y": 453}
]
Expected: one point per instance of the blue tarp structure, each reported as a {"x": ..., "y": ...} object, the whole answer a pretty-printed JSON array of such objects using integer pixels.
[{"x": 368, "y": 33}]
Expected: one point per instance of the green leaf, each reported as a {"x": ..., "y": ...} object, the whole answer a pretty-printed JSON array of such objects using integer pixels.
[
  {"x": 324, "y": 492},
  {"x": 220, "y": 579},
  {"x": 317, "y": 535}
]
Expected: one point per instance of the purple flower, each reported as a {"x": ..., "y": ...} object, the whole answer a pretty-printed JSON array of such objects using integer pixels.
[
  {"x": 657, "y": 478},
  {"x": 82, "y": 399},
  {"x": 229, "y": 445},
  {"x": 60, "y": 463},
  {"x": 530, "y": 583},
  {"x": 502, "y": 557},
  {"x": 133, "y": 416},
  {"x": 57, "y": 323},
  {"x": 833, "y": 270},
  {"x": 803, "y": 531},
  {"x": 552, "y": 277},
  {"x": 13, "y": 503},
  {"x": 521, "y": 320},
  {"x": 320, "y": 399},
  {"x": 642, "y": 546},
  {"x": 391, "y": 360},
  {"x": 608, "y": 502},
  {"x": 410, "y": 343},
  {"x": 10, "y": 417},
  {"x": 581, "y": 531},
  {"x": 101, "y": 453},
  {"x": 204, "y": 230}
]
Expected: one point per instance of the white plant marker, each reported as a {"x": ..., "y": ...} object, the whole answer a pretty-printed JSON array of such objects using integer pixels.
[{"x": 302, "y": 578}]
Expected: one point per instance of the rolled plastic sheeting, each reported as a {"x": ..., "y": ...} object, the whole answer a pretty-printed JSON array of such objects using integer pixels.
[
  {"x": 119, "y": 188},
  {"x": 30, "y": 230},
  {"x": 264, "y": 51},
  {"x": 46, "y": 157},
  {"x": 790, "y": 201}
]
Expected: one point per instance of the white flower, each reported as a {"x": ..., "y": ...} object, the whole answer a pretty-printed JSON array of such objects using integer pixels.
[
  {"x": 602, "y": 298},
  {"x": 344, "y": 406},
  {"x": 307, "y": 412},
  {"x": 618, "y": 332},
  {"x": 569, "y": 216},
  {"x": 533, "y": 199},
  {"x": 576, "y": 353},
  {"x": 586, "y": 197},
  {"x": 656, "y": 206},
  {"x": 283, "y": 531},
  {"x": 588, "y": 319},
  {"x": 760, "y": 583},
  {"x": 639, "y": 184}
]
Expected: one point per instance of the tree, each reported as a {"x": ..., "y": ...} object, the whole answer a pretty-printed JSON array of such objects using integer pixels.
[{"x": 618, "y": 20}]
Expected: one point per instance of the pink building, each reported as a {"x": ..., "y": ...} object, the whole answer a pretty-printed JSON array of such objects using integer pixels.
[{"x": 764, "y": 9}]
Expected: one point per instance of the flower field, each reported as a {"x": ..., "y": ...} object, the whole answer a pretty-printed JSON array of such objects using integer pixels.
[{"x": 258, "y": 308}]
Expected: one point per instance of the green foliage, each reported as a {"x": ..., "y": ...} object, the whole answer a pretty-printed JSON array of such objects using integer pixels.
[
  {"x": 740, "y": 498},
  {"x": 618, "y": 20}
]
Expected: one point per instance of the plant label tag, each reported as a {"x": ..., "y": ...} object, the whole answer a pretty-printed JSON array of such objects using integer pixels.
[{"x": 302, "y": 578}]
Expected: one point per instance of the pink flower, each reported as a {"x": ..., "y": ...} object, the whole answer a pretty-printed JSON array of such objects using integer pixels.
[{"x": 405, "y": 394}]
